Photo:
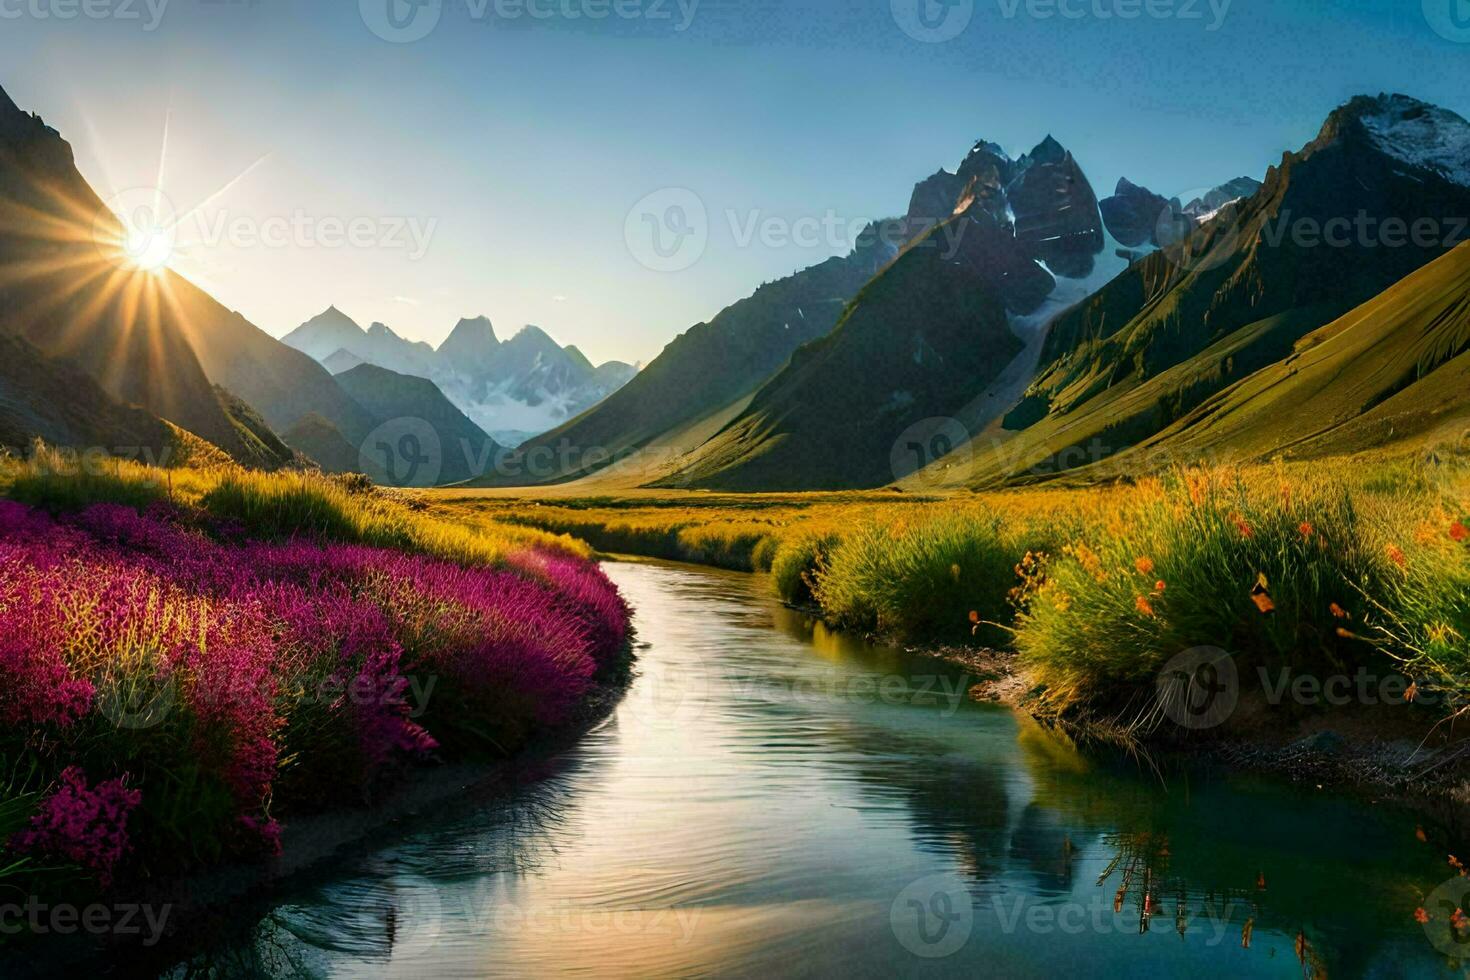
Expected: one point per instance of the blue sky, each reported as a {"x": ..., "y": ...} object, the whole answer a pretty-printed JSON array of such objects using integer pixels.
[{"x": 492, "y": 165}]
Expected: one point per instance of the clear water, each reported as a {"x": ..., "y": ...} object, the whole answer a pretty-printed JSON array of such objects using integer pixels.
[{"x": 775, "y": 800}]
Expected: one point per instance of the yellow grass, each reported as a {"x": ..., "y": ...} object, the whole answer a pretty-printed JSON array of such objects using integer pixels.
[
  {"x": 280, "y": 504},
  {"x": 1374, "y": 540}
]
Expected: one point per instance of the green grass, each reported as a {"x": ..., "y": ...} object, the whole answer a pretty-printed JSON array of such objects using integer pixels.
[
  {"x": 281, "y": 504},
  {"x": 1322, "y": 567}
]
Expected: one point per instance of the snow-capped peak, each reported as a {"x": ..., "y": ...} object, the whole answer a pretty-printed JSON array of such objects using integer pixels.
[{"x": 1420, "y": 135}]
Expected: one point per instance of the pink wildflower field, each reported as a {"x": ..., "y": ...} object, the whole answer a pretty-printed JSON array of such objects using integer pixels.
[{"x": 173, "y": 691}]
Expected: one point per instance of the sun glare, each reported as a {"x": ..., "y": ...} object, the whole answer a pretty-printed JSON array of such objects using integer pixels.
[{"x": 146, "y": 245}]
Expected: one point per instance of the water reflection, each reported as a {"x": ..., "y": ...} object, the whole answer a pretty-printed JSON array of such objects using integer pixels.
[{"x": 775, "y": 799}]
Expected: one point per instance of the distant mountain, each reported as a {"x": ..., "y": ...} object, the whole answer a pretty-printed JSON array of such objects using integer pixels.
[
  {"x": 1137, "y": 217},
  {"x": 333, "y": 331},
  {"x": 464, "y": 449},
  {"x": 513, "y": 389},
  {"x": 711, "y": 366},
  {"x": 1327, "y": 232},
  {"x": 472, "y": 346},
  {"x": 149, "y": 339},
  {"x": 324, "y": 444},
  {"x": 917, "y": 342},
  {"x": 342, "y": 360}
]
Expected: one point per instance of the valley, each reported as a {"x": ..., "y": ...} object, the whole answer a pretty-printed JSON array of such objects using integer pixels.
[{"x": 1102, "y": 555}]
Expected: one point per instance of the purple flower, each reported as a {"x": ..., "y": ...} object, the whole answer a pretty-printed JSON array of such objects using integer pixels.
[{"x": 86, "y": 826}]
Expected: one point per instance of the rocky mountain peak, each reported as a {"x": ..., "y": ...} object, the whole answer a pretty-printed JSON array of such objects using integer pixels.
[
  {"x": 472, "y": 332},
  {"x": 1047, "y": 151},
  {"x": 1419, "y": 134}
]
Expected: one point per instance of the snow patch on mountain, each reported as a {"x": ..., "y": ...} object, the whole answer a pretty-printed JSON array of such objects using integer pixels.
[
  {"x": 1421, "y": 135},
  {"x": 513, "y": 390}
]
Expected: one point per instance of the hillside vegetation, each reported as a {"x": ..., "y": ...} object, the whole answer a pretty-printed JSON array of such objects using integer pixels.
[
  {"x": 194, "y": 656},
  {"x": 1360, "y": 562}
]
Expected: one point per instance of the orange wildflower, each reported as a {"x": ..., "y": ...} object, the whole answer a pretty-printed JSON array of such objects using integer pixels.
[
  {"x": 1307, "y": 530},
  {"x": 1144, "y": 606},
  {"x": 974, "y": 616},
  {"x": 1421, "y": 916},
  {"x": 1455, "y": 862},
  {"x": 1340, "y": 613},
  {"x": 1242, "y": 525},
  {"x": 1397, "y": 556},
  {"x": 1410, "y": 693},
  {"x": 1419, "y": 833},
  {"x": 1459, "y": 532},
  {"x": 1458, "y": 919},
  {"x": 1160, "y": 586},
  {"x": 1145, "y": 566}
]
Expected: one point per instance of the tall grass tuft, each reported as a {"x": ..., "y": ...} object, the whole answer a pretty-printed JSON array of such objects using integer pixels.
[
  {"x": 923, "y": 579},
  {"x": 1198, "y": 560}
]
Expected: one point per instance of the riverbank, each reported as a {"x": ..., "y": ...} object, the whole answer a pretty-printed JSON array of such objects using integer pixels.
[
  {"x": 199, "y": 662},
  {"x": 1335, "y": 596},
  {"x": 726, "y": 822}
]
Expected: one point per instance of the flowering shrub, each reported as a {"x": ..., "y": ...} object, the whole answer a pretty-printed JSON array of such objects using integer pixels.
[
  {"x": 87, "y": 826},
  {"x": 1197, "y": 561},
  {"x": 234, "y": 677}
]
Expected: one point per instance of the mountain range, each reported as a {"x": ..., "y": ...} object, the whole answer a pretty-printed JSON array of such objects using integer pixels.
[
  {"x": 103, "y": 355},
  {"x": 513, "y": 389},
  {"x": 1012, "y": 326},
  {"x": 1027, "y": 329}
]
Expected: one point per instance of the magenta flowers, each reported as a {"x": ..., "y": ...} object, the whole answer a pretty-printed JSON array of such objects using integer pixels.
[
  {"x": 249, "y": 678},
  {"x": 87, "y": 826}
]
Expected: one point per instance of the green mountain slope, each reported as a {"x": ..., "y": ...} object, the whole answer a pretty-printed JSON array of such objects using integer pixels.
[
  {"x": 410, "y": 402},
  {"x": 1236, "y": 295},
  {"x": 918, "y": 341},
  {"x": 924, "y": 341},
  {"x": 1395, "y": 369},
  {"x": 327, "y": 447}
]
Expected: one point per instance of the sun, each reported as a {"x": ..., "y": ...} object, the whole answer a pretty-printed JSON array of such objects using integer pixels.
[{"x": 147, "y": 244}]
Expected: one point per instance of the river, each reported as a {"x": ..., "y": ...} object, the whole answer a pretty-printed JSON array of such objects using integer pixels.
[{"x": 772, "y": 799}]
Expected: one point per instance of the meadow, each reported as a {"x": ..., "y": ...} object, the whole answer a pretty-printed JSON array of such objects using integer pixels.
[
  {"x": 1322, "y": 568},
  {"x": 193, "y": 657}
]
